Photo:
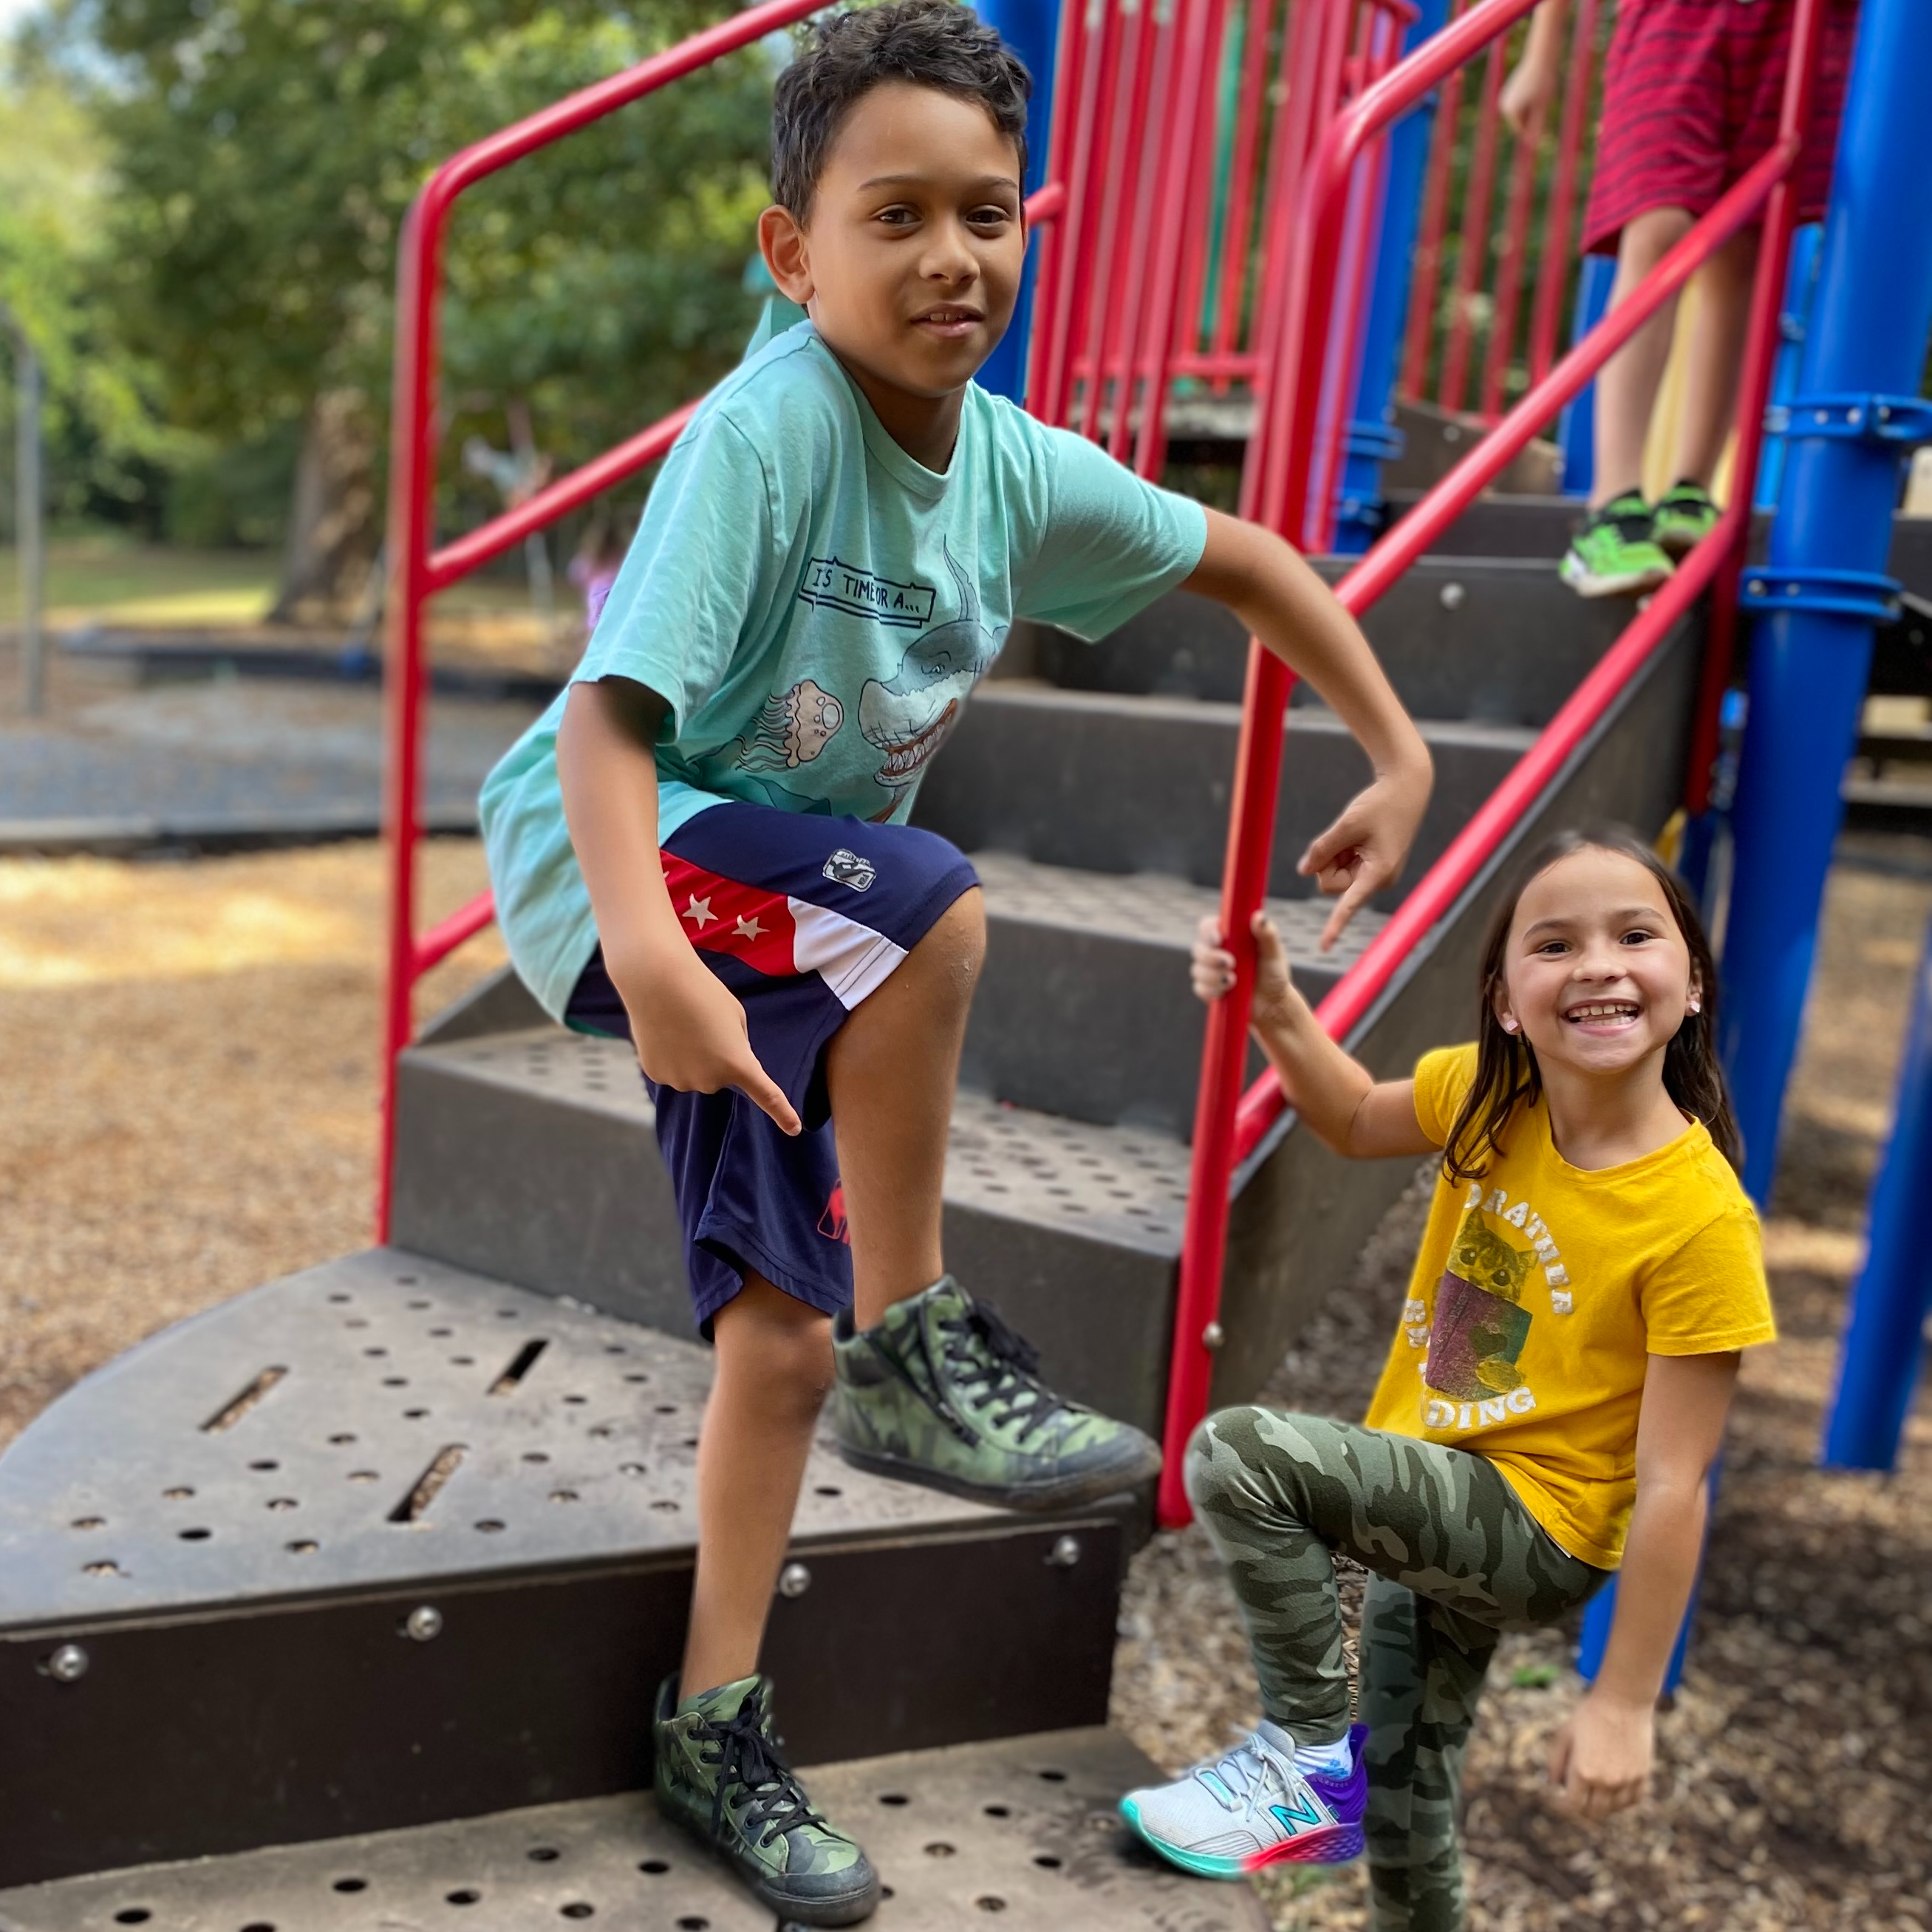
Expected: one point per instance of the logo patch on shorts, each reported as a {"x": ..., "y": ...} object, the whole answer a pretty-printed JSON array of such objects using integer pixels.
[{"x": 848, "y": 868}]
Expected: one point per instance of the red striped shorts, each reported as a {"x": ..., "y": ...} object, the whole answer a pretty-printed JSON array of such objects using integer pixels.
[{"x": 1691, "y": 93}]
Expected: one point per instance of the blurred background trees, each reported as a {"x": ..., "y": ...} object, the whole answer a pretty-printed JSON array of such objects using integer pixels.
[{"x": 200, "y": 204}]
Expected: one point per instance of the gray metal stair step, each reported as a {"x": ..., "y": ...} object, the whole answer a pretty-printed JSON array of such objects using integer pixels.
[
  {"x": 1083, "y": 1007},
  {"x": 386, "y": 1543},
  {"x": 1025, "y": 1828},
  {"x": 530, "y": 1155},
  {"x": 1105, "y": 783},
  {"x": 1492, "y": 638}
]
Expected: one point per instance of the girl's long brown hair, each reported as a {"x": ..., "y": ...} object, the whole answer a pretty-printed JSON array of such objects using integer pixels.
[{"x": 1507, "y": 1074}]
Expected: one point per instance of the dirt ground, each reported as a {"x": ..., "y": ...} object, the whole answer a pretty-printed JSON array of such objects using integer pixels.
[{"x": 187, "y": 1063}]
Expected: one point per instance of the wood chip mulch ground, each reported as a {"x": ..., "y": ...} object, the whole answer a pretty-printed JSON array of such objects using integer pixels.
[{"x": 188, "y": 1065}]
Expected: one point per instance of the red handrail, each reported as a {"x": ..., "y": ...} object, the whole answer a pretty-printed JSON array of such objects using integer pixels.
[{"x": 1229, "y": 1126}]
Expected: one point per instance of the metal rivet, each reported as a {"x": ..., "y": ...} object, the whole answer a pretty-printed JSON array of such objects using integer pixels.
[
  {"x": 1065, "y": 1552},
  {"x": 1213, "y": 1336},
  {"x": 1453, "y": 594},
  {"x": 1757, "y": 587},
  {"x": 794, "y": 1580},
  {"x": 423, "y": 1623},
  {"x": 68, "y": 1664}
]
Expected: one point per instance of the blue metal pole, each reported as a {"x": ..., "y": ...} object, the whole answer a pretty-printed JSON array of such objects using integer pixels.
[
  {"x": 1031, "y": 28},
  {"x": 1823, "y": 586},
  {"x": 1577, "y": 432},
  {"x": 1800, "y": 285},
  {"x": 1885, "y": 1334},
  {"x": 1372, "y": 437}
]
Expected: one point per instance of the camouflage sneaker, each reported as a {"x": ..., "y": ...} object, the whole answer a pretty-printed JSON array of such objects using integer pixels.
[
  {"x": 942, "y": 1392},
  {"x": 1612, "y": 555},
  {"x": 1684, "y": 517},
  {"x": 722, "y": 1774}
]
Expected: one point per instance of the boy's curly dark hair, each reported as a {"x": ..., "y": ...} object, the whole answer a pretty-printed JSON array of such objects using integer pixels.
[{"x": 929, "y": 43}]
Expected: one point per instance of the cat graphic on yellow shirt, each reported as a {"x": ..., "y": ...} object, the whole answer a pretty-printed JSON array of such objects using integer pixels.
[{"x": 1481, "y": 1325}]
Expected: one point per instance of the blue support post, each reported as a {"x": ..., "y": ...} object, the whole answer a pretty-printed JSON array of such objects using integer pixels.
[
  {"x": 1823, "y": 586},
  {"x": 1801, "y": 283},
  {"x": 1577, "y": 432},
  {"x": 1372, "y": 437},
  {"x": 1885, "y": 1334},
  {"x": 1031, "y": 28}
]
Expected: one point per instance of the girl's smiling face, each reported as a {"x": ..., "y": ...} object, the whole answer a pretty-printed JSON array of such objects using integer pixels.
[{"x": 1596, "y": 975}]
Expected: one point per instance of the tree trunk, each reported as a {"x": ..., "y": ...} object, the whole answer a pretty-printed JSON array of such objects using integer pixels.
[{"x": 334, "y": 526}]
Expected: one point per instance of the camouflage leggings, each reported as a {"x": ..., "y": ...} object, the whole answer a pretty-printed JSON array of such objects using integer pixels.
[{"x": 1456, "y": 1560}]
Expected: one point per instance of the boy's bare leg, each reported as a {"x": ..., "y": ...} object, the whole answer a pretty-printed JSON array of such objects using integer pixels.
[
  {"x": 891, "y": 1069},
  {"x": 774, "y": 1368},
  {"x": 1716, "y": 357},
  {"x": 1627, "y": 386}
]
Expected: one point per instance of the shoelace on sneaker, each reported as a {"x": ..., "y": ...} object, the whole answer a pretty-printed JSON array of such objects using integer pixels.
[
  {"x": 1249, "y": 1775},
  {"x": 749, "y": 1755},
  {"x": 990, "y": 1355},
  {"x": 1629, "y": 515}
]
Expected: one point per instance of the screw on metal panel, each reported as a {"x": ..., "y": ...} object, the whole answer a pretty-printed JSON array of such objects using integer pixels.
[
  {"x": 1855, "y": 417},
  {"x": 68, "y": 1664},
  {"x": 1757, "y": 587},
  {"x": 794, "y": 1580},
  {"x": 1213, "y": 1336},
  {"x": 1453, "y": 594},
  {"x": 423, "y": 1623},
  {"x": 1065, "y": 1552}
]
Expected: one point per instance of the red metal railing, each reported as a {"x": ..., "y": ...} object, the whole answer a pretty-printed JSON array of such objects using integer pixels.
[
  {"x": 418, "y": 572},
  {"x": 1143, "y": 126},
  {"x": 1230, "y": 1125},
  {"x": 1491, "y": 258}
]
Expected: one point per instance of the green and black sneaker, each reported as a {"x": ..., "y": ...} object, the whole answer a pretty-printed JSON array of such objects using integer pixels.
[
  {"x": 1684, "y": 517},
  {"x": 942, "y": 1392},
  {"x": 1614, "y": 554},
  {"x": 722, "y": 1774}
]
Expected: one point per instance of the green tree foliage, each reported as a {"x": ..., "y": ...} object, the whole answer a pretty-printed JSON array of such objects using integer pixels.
[
  {"x": 52, "y": 180},
  {"x": 265, "y": 152}
]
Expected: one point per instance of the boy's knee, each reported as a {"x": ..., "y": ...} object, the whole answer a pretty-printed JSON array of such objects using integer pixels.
[{"x": 954, "y": 946}]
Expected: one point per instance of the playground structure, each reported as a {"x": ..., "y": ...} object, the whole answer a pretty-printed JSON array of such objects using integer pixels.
[{"x": 404, "y": 1540}]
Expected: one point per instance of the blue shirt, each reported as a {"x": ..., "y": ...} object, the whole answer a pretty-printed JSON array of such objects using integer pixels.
[{"x": 814, "y": 607}]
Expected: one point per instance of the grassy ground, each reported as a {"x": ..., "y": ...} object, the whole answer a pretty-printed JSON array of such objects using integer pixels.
[{"x": 189, "y": 1080}]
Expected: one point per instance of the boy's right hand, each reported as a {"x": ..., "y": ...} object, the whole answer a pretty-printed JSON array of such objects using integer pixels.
[
  {"x": 690, "y": 1034},
  {"x": 1276, "y": 1000}
]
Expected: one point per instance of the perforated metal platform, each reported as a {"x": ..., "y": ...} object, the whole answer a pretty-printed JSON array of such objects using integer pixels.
[
  {"x": 382, "y": 1416},
  {"x": 388, "y": 1542},
  {"x": 1021, "y": 1833}
]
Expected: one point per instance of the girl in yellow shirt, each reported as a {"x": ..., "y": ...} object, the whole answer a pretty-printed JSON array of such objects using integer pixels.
[{"x": 1551, "y": 1402}]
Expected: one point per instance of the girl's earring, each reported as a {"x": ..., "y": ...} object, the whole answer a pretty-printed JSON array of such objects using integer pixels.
[
  {"x": 1696, "y": 1005},
  {"x": 1509, "y": 1025}
]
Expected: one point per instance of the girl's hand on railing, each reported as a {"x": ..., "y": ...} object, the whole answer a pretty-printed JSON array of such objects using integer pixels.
[
  {"x": 1276, "y": 1000},
  {"x": 1363, "y": 850}
]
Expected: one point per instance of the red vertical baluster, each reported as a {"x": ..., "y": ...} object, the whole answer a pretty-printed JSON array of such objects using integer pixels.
[
  {"x": 1086, "y": 186},
  {"x": 1553, "y": 275},
  {"x": 1428, "y": 279},
  {"x": 1472, "y": 262},
  {"x": 1115, "y": 153},
  {"x": 1525, "y": 161},
  {"x": 1069, "y": 71}
]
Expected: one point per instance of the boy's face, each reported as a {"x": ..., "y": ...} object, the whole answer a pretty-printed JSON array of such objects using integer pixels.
[{"x": 909, "y": 262}]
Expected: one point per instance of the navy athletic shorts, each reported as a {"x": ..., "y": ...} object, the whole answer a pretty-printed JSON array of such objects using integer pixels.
[{"x": 801, "y": 916}]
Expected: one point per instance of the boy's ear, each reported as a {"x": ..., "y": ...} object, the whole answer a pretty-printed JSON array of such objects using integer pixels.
[{"x": 782, "y": 243}]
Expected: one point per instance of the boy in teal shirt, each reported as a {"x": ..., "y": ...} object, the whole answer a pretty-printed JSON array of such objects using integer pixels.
[{"x": 702, "y": 845}]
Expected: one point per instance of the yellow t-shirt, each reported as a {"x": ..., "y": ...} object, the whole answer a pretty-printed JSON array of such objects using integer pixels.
[{"x": 1539, "y": 1292}]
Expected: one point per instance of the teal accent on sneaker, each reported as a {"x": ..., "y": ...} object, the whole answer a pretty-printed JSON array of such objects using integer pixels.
[
  {"x": 943, "y": 1394},
  {"x": 1684, "y": 517},
  {"x": 722, "y": 1775},
  {"x": 1613, "y": 555}
]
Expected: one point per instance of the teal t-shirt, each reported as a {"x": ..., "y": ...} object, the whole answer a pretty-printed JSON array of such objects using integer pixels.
[{"x": 814, "y": 607}]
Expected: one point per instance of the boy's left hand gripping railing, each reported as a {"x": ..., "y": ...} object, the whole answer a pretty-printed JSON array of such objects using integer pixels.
[
  {"x": 416, "y": 572},
  {"x": 1230, "y": 1125}
]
